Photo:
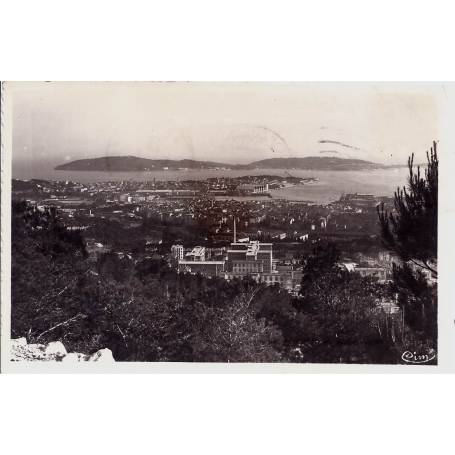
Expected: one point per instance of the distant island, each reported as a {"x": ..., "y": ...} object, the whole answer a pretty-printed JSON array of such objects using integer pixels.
[
  {"x": 317, "y": 163},
  {"x": 136, "y": 164}
]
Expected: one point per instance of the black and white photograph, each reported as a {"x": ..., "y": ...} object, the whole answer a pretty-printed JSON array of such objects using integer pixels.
[
  {"x": 227, "y": 227},
  {"x": 224, "y": 222}
]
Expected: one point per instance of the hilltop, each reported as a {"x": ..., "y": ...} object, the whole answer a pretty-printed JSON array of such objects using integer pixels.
[
  {"x": 314, "y": 163},
  {"x": 134, "y": 164}
]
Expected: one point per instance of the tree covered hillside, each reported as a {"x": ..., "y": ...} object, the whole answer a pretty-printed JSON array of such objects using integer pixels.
[{"x": 146, "y": 311}]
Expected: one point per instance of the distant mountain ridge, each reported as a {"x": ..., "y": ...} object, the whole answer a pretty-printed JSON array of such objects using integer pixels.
[
  {"x": 136, "y": 164},
  {"x": 133, "y": 164},
  {"x": 314, "y": 163}
]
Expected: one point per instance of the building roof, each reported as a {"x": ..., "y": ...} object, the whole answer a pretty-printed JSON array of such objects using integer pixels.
[{"x": 196, "y": 251}]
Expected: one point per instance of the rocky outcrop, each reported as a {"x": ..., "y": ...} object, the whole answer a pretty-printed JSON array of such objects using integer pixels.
[{"x": 54, "y": 352}]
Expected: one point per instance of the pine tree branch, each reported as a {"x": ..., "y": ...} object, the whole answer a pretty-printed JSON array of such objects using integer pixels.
[
  {"x": 79, "y": 315},
  {"x": 430, "y": 268},
  {"x": 425, "y": 266}
]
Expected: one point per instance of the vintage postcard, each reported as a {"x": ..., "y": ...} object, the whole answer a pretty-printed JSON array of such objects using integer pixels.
[{"x": 205, "y": 227}]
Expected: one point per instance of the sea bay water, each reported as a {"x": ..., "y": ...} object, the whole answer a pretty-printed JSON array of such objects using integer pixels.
[{"x": 329, "y": 187}]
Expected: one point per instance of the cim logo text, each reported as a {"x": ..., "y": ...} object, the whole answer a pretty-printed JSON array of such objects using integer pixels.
[{"x": 414, "y": 357}]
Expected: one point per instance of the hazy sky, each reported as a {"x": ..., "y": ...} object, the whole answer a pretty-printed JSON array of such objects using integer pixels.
[{"x": 226, "y": 122}]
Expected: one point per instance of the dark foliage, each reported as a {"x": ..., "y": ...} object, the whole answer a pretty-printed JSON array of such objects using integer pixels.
[
  {"x": 411, "y": 231},
  {"x": 418, "y": 301},
  {"x": 340, "y": 314},
  {"x": 146, "y": 312}
]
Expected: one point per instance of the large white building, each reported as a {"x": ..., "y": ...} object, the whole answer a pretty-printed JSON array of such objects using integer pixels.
[
  {"x": 248, "y": 258},
  {"x": 255, "y": 259}
]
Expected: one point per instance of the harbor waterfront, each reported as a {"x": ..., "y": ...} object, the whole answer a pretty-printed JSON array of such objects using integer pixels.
[{"x": 328, "y": 187}]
